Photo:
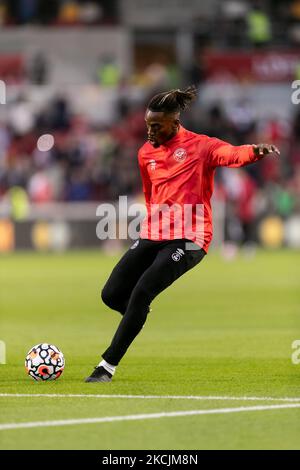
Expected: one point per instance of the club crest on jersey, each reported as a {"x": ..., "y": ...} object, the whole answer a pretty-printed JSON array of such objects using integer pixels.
[
  {"x": 180, "y": 155},
  {"x": 152, "y": 165},
  {"x": 177, "y": 255}
]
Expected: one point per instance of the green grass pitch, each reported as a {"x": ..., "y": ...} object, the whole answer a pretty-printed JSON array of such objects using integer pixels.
[{"x": 224, "y": 329}]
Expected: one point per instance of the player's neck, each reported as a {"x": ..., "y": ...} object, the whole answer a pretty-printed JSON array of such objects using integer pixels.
[{"x": 174, "y": 134}]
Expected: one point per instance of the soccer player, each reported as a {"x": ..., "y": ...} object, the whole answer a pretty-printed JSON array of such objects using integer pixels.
[{"x": 177, "y": 168}]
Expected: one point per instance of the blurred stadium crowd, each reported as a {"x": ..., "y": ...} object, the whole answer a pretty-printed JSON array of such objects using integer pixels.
[
  {"x": 58, "y": 12},
  {"x": 234, "y": 23},
  {"x": 96, "y": 161}
]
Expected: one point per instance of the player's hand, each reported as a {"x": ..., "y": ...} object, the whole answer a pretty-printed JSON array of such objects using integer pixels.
[{"x": 265, "y": 149}]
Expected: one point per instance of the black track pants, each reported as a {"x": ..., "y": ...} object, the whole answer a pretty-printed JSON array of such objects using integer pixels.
[{"x": 144, "y": 271}]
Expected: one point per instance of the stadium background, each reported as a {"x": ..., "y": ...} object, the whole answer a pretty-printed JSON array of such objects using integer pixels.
[
  {"x": 75, "y": 77},
  {"x": 82, "y": 71}
]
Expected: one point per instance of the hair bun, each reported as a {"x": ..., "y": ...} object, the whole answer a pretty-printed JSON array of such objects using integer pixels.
[{"x": 173, "y": 101}]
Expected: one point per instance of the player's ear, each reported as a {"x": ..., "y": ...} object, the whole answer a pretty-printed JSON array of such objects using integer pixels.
[{"x": 176, "y": 124}]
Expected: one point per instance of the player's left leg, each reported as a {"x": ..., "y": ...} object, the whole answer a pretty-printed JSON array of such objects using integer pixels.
[
  {"x": 123, "y": 278},
  {"x": 171, "y": 262},
  {"x": 118, "y": 289}
]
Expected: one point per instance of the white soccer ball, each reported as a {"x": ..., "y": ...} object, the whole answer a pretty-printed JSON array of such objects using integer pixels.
[{"x": 44, "y": 362}]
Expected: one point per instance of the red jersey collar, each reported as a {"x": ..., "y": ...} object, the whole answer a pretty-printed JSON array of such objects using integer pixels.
[{"x": 176, "y": 137}]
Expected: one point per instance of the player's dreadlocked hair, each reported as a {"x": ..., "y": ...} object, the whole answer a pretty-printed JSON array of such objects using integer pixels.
[{"x": 173, "y": 101}]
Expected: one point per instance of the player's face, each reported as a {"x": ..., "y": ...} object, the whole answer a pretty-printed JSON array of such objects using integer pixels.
[{"x": 160, "y": 127}]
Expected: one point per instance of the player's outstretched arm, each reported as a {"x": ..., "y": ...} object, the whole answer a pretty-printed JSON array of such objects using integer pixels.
[{"x": 222, "y": 153}]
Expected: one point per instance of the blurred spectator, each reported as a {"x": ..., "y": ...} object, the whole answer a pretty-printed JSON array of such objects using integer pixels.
[
  {"x": 242, "y": 119},
  {"x": 21, "y": 116},
  {"x": 155, "y": 75},
  {"x": 240, "y": 191},
  {"x": 25, "y": 10},
  {"x": 293, "y": 186},
  {"x": 108, "y": 72},
  {"x": 293, "y": 22},
  {"x": 216, "y": 124},
  {"x": 69, "y": 12},
  {"x": 39, "y": 188},
  {"x": 3, "y": 12},
  {"x": 195, "y": 71},
  {"x": 259, "y": 26},
  {"x": 78, "y": 187},
  {"x": 296, "y": 127},
  {"x": 295, "y": 10},
  {"x": 233, "y": 15},
  {"x": 38, "y": 69},
  {"x": 90, "y": 13},
  {"x": 60, "y": 114}
]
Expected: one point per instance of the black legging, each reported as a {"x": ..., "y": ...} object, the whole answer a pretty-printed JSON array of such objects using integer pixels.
[{"x": 144, "y": 271}]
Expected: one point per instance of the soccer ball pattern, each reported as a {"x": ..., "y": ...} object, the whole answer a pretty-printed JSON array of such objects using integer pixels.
[{"x": 44, "y": 362}]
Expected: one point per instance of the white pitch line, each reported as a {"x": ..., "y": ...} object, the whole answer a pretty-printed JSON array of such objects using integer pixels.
[
  {"x": 146, "y": 397},
  {"x": 110, "y": 419}
]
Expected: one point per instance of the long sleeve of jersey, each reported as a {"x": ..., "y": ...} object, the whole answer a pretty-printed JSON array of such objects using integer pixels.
[{"x": 221, "y": 153}]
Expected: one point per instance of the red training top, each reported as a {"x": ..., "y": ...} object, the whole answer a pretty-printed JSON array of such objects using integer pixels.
[{"x": 178, "y": 184}]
